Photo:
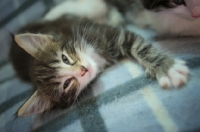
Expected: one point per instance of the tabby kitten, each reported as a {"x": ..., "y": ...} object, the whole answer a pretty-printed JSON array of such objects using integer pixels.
[{"x": 63, "y": 56}]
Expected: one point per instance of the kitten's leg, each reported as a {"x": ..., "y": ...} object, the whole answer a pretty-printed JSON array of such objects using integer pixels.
[
  {"x": 176, "y": 21},
  {"x": 168, "y": 71}
]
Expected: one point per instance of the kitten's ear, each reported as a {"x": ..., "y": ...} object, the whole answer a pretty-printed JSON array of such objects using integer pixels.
[
  {"x": 35, "y": 105},
  {"x": 32, "y": 43}
]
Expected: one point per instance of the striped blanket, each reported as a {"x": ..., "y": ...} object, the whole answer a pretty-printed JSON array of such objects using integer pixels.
[{"x": 122, "y": 99}]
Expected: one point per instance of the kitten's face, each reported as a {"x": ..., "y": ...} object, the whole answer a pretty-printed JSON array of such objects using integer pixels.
[
  {"x": 60, "y": 71},
  {"x": 67, "y": 70}
]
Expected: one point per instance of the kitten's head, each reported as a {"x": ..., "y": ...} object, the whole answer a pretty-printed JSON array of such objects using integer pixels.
[{"x": 61, "y": 69}]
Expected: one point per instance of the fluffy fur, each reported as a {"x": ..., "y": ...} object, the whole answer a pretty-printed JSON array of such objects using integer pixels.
[{"x": 61, "y": 57}]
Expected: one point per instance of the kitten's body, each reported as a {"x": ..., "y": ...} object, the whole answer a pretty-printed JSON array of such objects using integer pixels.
[{"x": 64, "y": 55}]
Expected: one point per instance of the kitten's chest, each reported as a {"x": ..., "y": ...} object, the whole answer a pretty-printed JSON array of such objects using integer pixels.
[{"x": 96, "y": 61}]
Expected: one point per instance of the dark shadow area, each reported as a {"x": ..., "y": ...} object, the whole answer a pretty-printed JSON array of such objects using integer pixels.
[{"x": 193, "y": 62}]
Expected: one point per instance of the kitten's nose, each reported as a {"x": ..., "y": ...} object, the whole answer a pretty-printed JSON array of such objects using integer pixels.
[{"x": 83, "y": 70}]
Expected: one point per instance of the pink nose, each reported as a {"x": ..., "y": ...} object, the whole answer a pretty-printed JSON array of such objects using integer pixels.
[{"x": 83, "y": 70}]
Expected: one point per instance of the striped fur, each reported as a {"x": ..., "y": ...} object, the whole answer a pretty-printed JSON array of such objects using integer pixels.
[{"x": 90, "y": 48}]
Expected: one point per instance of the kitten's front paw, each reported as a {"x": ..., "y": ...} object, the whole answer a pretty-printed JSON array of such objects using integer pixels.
[{"x": 176, "y": 76}]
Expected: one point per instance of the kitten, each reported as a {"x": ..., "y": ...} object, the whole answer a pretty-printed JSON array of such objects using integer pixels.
[{"x": 61, "y": 57}]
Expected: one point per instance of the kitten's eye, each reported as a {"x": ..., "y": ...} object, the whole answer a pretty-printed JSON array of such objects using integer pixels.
[
  {"x": 65, "y": 60},
  {"x": 67, "y": 82}
]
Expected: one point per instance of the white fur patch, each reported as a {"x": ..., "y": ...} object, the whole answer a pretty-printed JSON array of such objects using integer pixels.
[
  {"x": 94, "y": 63},
  {"x": 176, "y": 77},
  {"x": 81, "y": 8}
]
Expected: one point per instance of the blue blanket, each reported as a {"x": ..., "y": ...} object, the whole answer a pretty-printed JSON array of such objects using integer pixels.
[{"x": 122, "y": 99}]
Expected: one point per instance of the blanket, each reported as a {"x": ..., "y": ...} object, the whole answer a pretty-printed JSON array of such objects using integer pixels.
[{"x": 122, "y": 99}]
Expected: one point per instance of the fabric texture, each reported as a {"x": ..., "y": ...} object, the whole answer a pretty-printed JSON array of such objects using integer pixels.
[{"x": 122, "y": 99}]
